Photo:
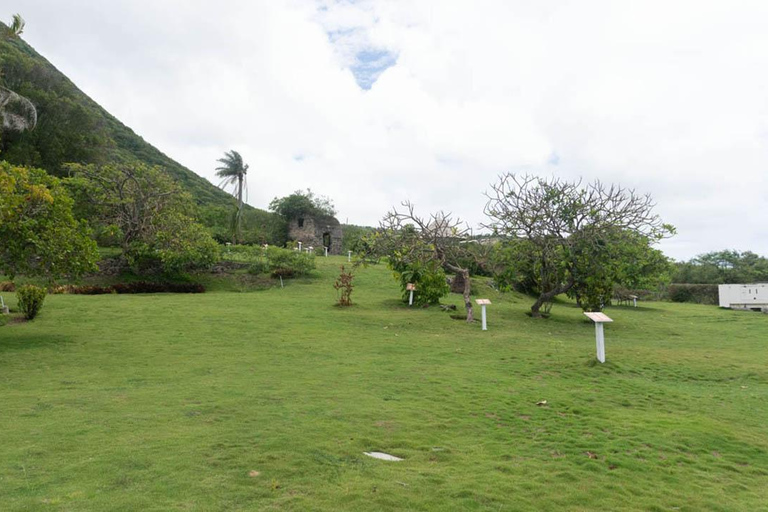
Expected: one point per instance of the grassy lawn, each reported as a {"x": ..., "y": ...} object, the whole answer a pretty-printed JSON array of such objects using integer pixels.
[{"x": 267, "y": 400}]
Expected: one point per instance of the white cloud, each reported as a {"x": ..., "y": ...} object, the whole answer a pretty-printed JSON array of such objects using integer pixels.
[{"x": 667, "y": 97}]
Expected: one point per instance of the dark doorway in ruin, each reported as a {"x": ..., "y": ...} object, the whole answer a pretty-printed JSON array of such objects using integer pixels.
[{"x": 327, "y": 240}]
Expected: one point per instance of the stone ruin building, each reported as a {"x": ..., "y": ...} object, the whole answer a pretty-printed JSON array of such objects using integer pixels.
[{"x": 316, "y": 231}]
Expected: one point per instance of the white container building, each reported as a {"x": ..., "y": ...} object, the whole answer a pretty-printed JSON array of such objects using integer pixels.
[{"x": 744, "y": 296}]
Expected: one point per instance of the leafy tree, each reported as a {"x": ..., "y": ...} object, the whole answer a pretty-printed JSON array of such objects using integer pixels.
[
  {"x": 38, "y": 232},
  {"x": 153, "y": 217},
  {"x": 419, "y": 248},
  {"x": 233, "y": 172},
  {"x": 723, "y": 267},
  {"x": 301, "y": 204},
  {"x": 571, "y": 235}
]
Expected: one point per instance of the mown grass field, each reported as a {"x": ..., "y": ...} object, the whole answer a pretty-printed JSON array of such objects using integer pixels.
[{"x": 267, "y": 401}]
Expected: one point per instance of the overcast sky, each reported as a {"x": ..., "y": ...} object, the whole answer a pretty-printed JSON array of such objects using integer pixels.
[{"x": 373, "y": 102}]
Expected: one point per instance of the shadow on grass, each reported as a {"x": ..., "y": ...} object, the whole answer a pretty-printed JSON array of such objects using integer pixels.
[{"x": 12, "y": 340}]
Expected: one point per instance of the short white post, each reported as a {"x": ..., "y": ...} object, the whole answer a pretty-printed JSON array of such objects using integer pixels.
[
  {"x": 311, "y": 249},
  {"x": 228, "y": 244},
  {"x": 349, "y": 256},
  {"x": 326, "y": 251},
  {"x": 634, "y": 299},
  {"x": 410, "y": 287},
  {"x": 600, "y": 338},
  {"x": 482, "y": 303},
  {"x": 599, "y": 319},
  {"x": 299, "y": 246}
]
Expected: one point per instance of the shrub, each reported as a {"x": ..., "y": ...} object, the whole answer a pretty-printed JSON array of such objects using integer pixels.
[
  {"x": 30, "y": 300},
  {"x": 258, "y": 267},
  {"x": 430, "y": 280},
  {"x": 149, "y": 287},
  {"x": 287, "y": 263},
  {"x": 7, "y": 286},
  {"x": 344, "y": 287},
  {"x": 696, "y": 293}
]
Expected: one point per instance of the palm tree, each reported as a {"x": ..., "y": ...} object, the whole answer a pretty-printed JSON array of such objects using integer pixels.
[
  {"x": 15, "y": 28},
  {"x": 233, "y": 173}
]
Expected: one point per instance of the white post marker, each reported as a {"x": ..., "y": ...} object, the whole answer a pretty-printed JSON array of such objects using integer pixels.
[
  {"x": 410, "y": 287},
  {"x": 349, "y": 256},
  {"x": 482, "y": 303},
  {"x": 634, "y": 299},
  {"x": 299, "y": 246},
  {"x": 311, "y": 249},
  {"x": 599, "y": 319},
  {"x": 326, "y": 251}
]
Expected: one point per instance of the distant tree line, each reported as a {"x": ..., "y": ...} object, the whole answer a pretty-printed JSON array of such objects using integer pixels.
[{"x": 722, "y": 267}]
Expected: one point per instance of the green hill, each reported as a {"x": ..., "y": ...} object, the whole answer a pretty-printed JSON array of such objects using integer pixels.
[{"x": 74, "y": 128}]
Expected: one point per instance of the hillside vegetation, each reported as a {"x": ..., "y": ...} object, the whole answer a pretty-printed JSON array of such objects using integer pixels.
[{"x": 267, "y": 401}]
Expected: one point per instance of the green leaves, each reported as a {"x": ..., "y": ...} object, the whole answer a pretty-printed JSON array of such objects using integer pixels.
[{"x": 38, "y": 232}]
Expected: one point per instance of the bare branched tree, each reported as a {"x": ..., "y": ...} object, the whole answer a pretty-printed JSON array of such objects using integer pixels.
[
  {"x": 556, "y": 217},
  {"x": 439, "y": 237}
]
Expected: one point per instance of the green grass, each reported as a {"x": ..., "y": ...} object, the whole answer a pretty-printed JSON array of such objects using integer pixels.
[{"x": 167, "y": 402}]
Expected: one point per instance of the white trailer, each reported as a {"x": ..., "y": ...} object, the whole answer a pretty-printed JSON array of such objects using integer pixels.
[{"x": 743, "y": 296}]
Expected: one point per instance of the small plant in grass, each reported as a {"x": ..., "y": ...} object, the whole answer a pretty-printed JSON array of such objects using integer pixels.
[
  {"x": 7, "y": 286},
  {"x": 286, "y": 263},
  {"x": 30, "y": 300},
  {"x": 344, "y": 287}
]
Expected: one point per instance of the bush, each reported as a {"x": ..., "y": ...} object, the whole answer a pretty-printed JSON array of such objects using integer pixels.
[
  {"x": 30, "y": 300},
  {"x": 126, "y": 288},
  {"x": 258, "y": 267},
  {"x": 696, "y": 293},
  {"x": 430, "y": 280},
  {"x": 7, "y": 286},
  {"x": 344, "y": 287},
  {"x": 287, "y": 263},
  {"x": 149, "y": 287}
]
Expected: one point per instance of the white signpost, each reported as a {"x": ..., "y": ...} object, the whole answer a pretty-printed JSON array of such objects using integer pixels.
[
  {"x": 599, "y": 319},
  {"x": 349, "y": 256},
  {"x": 410, "y": 287},
  {"x": 482, "y": 303},
  {"x": 299, "y": 246},
  {"x": 326, "y": 251}
]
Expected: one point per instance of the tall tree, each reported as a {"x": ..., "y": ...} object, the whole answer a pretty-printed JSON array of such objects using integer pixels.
[
  {"x": 233, "y": 172},
  {"x": 568, "y": 231},
  {"x": 16, "y": 27}
]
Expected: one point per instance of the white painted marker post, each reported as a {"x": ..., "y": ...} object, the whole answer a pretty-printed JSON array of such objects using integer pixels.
[
  {"x": 299, "y": 246},
  {"x": 326, "y": 251},
  {"x": 599, "y": 319},
  {"x": 482, "y": 303},
  {"x": 410, "y": 287},
  {"x": 311, "y": 249},
  {"x": 349, "y": 256},
  {"x": 634, "y": 299}
]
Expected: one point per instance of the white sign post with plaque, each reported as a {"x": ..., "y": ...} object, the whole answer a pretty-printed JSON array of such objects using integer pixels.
[
  {"x": 326, "y": 251},
  {"x": 299, "y": 246},
  {"x": 349, "y": 256},
  {"x": 599, "y": 319},
  {"x": 482, "y": 303},
  {"x": 410, "y": 287}
]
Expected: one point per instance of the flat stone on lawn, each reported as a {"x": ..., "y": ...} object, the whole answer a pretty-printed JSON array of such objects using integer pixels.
[{"x": 383, "y": 456}]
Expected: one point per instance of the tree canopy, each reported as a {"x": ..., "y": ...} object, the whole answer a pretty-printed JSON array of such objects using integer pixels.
[
  {"x": 723, "y": 267},
  {"x": 153, "y": 218},
  {"x": 572, "y": 237},
  {"x": 302, "y": 203},
  {"x": 38, "y": 232}
]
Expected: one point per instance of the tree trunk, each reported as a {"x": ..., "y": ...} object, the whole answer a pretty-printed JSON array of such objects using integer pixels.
[
  {"x": 548, "y": 296},
  {"x": 467, "y": 300},
  {"x": 236, "y": 231}
]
